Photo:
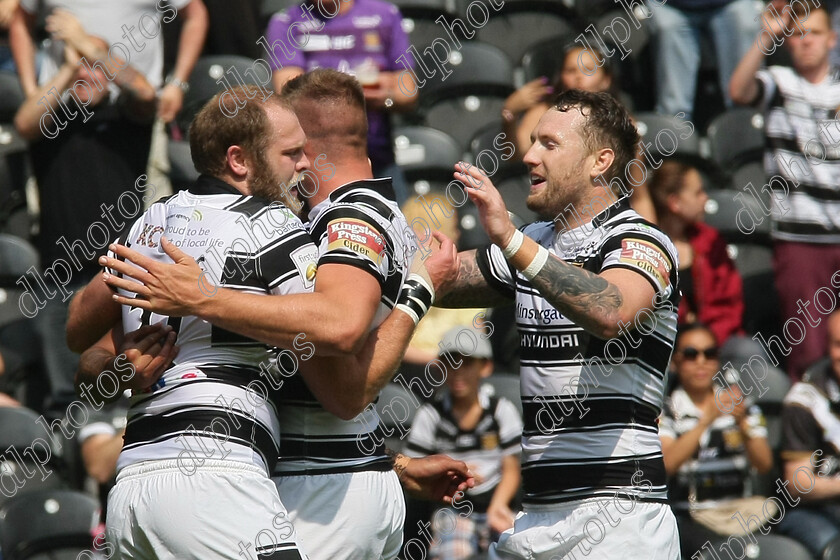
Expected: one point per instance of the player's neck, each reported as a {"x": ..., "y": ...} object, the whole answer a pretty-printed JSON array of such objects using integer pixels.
[{"x": 345, "y": 172}]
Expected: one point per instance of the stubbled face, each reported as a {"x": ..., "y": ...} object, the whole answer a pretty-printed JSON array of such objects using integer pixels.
[
  {"x": 696, "y": 371},
  {"x": 284, "y": 159},
  {"x": 812, "y": 51},
  {"x": 573, "y": 77},
  {"x": 690, "y": 203},
  {"x": 560, "y": 163}
]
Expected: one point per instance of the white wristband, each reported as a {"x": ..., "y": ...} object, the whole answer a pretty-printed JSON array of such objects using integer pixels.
[
  {"x": 537, "y": 264},
  {"x": 514, "y": 244}
]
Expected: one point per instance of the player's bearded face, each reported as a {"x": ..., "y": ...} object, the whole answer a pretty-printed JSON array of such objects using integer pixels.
[{"x": 274, "y": 185}]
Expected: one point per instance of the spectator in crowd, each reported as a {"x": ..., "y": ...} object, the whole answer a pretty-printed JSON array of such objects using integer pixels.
[
  {"x": 710, "y": 284},
  {"x": 524, "y": 107},
  {"x": 484, "y": 431},
  {"x": 802, "y": 161},
  {"x": 676, "y": 28},
  {"x": 145, "y": 52},
  {"x": 234, "y": 28},
  {"x": 361, "y": 37},
  {"x": 73, "y": 178},
  {"x": 811, "y": 450},
  {"x": 709, "y": 451}
]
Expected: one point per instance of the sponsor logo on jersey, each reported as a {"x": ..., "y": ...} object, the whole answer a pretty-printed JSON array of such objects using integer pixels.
[
  {"x": 306, "y": 262},
  {"x": 357, "y": 236},
  {"x": 647, "y": 257}
]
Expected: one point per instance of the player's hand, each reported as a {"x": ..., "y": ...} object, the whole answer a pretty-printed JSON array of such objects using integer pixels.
[
  {"x": 175, "y": 290},
  {"x": 150, "y": 351},
  {"x": 170, "y": 101},
  {"x": 436, "y": 477},
  {"x": 491, "y": 208},
  {"x": 500, "y": 517},
  {"x": 443, "y": 264}
]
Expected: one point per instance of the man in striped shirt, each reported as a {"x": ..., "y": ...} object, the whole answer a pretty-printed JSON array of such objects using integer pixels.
[
  {"x": 802, "y": 163},
  {"x": 333, "y": 474},
  {"x": 205, "y": 436},
  {"x": 595, "y": 288}
]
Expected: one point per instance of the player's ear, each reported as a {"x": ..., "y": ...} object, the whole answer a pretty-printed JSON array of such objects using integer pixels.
[
  {"x": 237, "y": 161},
  {"x": 604, "y": 159},
  {"x": 486, "y": 368}
]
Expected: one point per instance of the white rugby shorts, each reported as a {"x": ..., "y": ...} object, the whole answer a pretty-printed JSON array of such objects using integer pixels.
[
  {"x": 223, "y": 510},
  {"x": 592, "y": 528},
  {"x": 347, "y": 516}
]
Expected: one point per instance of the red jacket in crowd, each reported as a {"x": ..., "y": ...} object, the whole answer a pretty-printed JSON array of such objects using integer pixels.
[{"x": 718, "y": 293}]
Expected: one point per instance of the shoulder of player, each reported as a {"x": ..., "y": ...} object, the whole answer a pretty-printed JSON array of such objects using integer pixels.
[
  {"x": 537, "y": 231},
  {"x": 642, "y": 230}
]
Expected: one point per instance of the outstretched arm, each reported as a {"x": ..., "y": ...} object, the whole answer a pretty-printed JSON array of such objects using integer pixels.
[
  {"x": 436, "y": 477},
  {"x": 93, "y": 312},
  {"x": 600, "y": 303},
  {"x": 178, "y": 289},
  {"x": 345, "y": 385},
  {"x": 743, "y": 85}
]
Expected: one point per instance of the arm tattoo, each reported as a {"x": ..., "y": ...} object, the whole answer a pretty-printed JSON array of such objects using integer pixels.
[
  {"x": 471, "y": 289},
  {"x": 396, "y": 457},
  {"x": 583, "y": 296}
]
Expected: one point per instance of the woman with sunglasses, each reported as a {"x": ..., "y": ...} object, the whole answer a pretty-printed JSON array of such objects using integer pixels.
[{"x": 711, "y": 438}]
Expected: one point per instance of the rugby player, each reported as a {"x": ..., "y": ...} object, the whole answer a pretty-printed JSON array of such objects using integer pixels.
[
  {"x": 592, "y": 375},
  {"x": 330, "y": 485}
]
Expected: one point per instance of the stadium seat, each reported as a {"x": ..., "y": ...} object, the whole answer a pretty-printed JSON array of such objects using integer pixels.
[
  {"x": 769, "y": 547},
  {"x": 520, "y": 23},
  {"x": 419, "y": 20},
  {"x": 832, "y": 551},
  {"x": 668, "y": 136},
  {"x": 542, "y": 58},
  {"x": 507, "y": 386},
  {"x": 761, "y": 302},
  {"x": 424, "y": 152},
  {"x": 473, "y": 235},
  {"x": 16, "y": 257},
  {"x": 476, "y": 69},
  {"x": 489, "y": 142},
  {"x": 750, "y": 172},
  {"x": 736, "y": 137},
  {"x": 182, "y": 173},
  {"x": 463, "y": 117},
  {"x": 11, "y": 96},
  {"x": 270, "y": 7},
  {"x": 514, "y": 191},
  {"x": 14, "y": 172},
  {"x": 39, "y": 522},
  {"x": 725, "y": 211},
  {"x": 205, "y": 82},
  {"x": 628, "y": 42}
]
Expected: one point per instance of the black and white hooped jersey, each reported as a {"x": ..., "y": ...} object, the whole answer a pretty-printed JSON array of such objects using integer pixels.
[
  {"x": 497, "y": 433},
  {"x": 590, "y": 406},
  {"x": 359, "y": 227},
  {"x": 214, "y": 402}
]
